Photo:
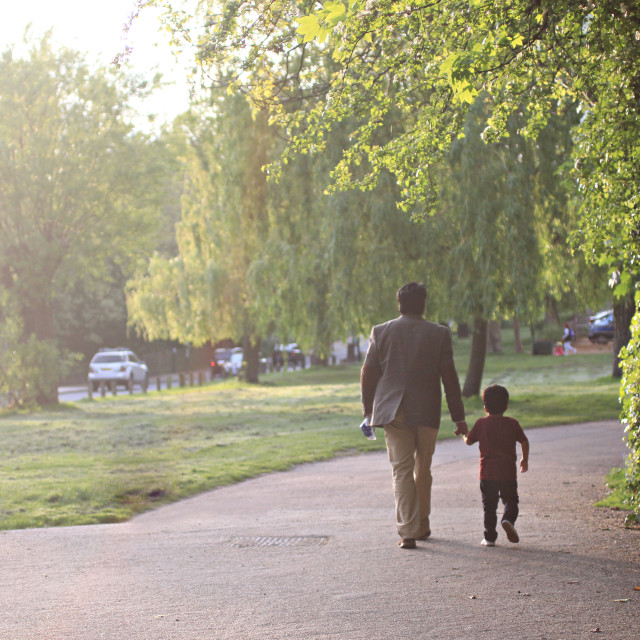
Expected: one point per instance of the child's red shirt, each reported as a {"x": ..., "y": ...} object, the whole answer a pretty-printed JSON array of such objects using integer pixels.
[{"x": 497, "y": 436}]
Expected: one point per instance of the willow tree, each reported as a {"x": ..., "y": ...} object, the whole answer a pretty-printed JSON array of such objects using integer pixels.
[
  {"x": 203, "y": 295},
  {"x": 532, "y": 54},
  {"x": 491, "y": 260},
  {"x": 424, "y": 62},
  {"x": 332, "y": 262}
]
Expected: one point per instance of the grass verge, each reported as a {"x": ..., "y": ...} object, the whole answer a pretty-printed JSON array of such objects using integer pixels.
[
  {"x": 107, "y": 459},
  {"x": 618, "y": 491},
  {"x": 619, "y": 496}
]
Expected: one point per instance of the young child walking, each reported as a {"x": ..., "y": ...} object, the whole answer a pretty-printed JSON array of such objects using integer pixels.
[{"x": 497, "y": 435}]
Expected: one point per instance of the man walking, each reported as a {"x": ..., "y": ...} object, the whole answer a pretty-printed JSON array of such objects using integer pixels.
[{"x": 407, "y": 359}]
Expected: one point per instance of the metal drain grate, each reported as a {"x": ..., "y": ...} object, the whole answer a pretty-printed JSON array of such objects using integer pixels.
[{"x": 278, "y": 541}]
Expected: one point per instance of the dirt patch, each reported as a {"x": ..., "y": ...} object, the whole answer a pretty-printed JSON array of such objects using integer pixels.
[{"x": 584, "y": 345}]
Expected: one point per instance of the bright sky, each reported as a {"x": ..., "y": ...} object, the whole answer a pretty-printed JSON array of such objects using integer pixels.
[{"x": 96, "y": 28}]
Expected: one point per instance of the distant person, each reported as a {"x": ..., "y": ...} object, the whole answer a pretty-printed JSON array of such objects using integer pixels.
[
  {"x": 277, "y": 359},
  {"x": 406, "y": 360},
  {"x": 497, "y": 435},
  {"x": 567, "y": 338}
]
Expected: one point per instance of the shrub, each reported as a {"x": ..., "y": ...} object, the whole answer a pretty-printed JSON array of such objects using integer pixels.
[
  {"x": 30, "y": 369},
  {"x": 630, "y": 397}
]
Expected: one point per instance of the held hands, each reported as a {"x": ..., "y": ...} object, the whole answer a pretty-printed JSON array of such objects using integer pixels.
[{"x": 462, "y": 429}]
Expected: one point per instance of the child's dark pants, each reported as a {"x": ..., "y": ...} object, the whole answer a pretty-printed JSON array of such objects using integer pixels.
[{"x": 492, "y": 491}]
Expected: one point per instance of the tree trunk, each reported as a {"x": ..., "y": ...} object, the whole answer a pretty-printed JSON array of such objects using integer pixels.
[
  {"x": 623, "y": 311},
  {"x": 516, "y": 335},
  {"x": 251, "y": 353},
  {"x": 473, "y": 380},
  {"x": 552, "y": 309},
  {"x": 463, "y": 330},
  {"x": 38, "y": 318},
  {"x": 494, "y": 337}
]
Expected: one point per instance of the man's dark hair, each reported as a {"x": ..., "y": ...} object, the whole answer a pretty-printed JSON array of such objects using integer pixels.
[
  {"x": 412, "y": 298},
  {"x": 495, "y": 399}
]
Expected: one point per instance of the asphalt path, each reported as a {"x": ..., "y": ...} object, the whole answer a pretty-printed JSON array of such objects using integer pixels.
[{"x": 311, "y": 554}]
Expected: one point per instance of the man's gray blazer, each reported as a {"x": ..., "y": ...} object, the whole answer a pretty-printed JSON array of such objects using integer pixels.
[{"x": 406, "y": 360}]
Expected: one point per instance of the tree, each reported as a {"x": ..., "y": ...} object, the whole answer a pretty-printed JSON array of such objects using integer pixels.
[
  {"x": 256, "y": 258},
  {"x": 489, "y": 200},
  {"x": 328, "y": 257},
  {"x": 536, "y": 55},
  {"x": 90, "y": 312},
  {"x": 504, "y": 209},
  {"x": 202, "y": 295},
  {"x": 76, "y": 189}
]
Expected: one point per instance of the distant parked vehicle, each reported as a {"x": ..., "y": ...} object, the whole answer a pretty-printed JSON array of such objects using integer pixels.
[
  {"x": 601, "y": 327},
  {"x": 220, "y": 358},
  {"x": 296, "y": 356},
  {"x": 120, "y": 366},
  {"x": 233, "y": 366},
  {"x": 291, "y": 353}
]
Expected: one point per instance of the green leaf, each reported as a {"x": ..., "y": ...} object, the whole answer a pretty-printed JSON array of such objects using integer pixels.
[
  {"x": 309, "y": 27},
  {"x": 468, "y": 95},
  {"x": 447, "y": 65},
  {"x": 323, "y": 33},
  {"x": 333, "y": 13}
]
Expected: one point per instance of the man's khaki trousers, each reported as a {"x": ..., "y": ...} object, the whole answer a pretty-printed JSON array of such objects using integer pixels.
[{"x": 410, "y": 452}]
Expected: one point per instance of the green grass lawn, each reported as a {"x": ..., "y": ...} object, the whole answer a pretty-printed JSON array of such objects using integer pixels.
[{"x": 106, "y": 459}]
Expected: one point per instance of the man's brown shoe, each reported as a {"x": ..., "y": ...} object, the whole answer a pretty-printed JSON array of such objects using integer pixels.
[{"x": 407, "y": 543}]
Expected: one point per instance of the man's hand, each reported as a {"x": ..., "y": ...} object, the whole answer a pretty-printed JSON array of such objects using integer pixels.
[
  {"x": 524, "y": 466},
  {"x": 462, "y": 429}
]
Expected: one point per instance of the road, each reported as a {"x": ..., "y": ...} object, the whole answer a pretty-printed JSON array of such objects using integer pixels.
[
  {"x": 311, "y": 554},
  {"x": 74, "y": 393},
  {"x": 80, "y": 392}
]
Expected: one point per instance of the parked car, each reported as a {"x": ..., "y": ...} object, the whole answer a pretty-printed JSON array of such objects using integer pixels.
[
  {"x": 233, "y": 366},
  {"x": 601, "y": 327},
  {"x": 221, "y": 356},
  {"x": 296, "y": 356},
  {"x": 235, "y": 363},
  {"x": 291, "y": 352},
  {"x": 120, "y": 366}
]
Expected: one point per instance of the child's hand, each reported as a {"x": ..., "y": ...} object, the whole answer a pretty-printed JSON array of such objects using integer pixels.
[
  {"x": 461, "y": 428},
  {"x": 524, "y": 466}
]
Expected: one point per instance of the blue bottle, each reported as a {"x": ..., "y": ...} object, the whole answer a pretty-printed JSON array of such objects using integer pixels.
[{"x": 367, "y": 429}]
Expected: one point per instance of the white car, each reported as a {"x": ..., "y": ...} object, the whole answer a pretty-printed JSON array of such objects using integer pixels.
[
  {"x": 233, "y": 365},
  {"x": 120, "y": 366}
]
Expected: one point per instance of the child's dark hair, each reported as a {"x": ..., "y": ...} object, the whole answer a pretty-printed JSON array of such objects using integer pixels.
[{"x": 495, "y": 399}]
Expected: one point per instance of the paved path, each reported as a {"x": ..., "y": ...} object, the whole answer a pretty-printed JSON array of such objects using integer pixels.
[{"x": 311, "y": 554}]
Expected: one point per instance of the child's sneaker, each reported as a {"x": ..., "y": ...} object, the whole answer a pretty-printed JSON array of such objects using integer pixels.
[
  {"x": 510, "y": 530},
  {"x": 486, "y": 543}
]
